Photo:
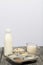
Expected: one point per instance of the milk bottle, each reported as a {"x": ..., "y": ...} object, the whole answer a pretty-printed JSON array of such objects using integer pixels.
[{"x": 8, "y": 42}]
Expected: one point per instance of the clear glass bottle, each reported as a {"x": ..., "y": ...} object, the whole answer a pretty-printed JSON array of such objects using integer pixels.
[{"x": 8, "y": 42}]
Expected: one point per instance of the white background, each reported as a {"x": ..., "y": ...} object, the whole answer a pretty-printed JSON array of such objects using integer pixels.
[{"x": 24, "y": 18}]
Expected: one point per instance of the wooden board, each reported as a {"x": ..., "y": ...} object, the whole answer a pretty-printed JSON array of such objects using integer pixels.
[{"x": 39, "y": 61}]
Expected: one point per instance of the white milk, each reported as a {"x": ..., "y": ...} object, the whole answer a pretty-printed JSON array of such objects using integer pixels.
[
  {"x": 32, "y": 49},
  {"x": 8, "y": 42}
]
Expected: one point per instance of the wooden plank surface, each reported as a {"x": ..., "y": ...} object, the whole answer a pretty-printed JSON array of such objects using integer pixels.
[{"x": 39, "y": 61}]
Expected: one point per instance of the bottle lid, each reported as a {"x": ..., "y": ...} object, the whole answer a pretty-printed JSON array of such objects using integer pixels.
[{"x": 8, "y": 30}]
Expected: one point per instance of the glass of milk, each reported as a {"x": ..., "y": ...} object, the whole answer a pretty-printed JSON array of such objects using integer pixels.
[{"x": 32, "y": 49}]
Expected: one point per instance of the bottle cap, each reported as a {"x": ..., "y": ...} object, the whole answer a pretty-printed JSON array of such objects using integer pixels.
[{"x": 8, "y": 30}]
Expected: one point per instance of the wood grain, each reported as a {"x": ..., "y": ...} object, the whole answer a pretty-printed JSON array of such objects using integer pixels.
[{"x": 38, "y": 62}]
